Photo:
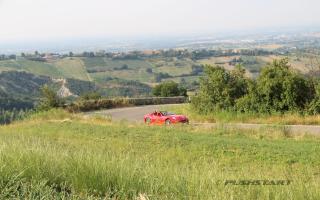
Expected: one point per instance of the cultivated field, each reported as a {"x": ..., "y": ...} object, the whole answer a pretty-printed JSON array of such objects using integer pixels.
[
  {"x": 100, "y": 70},
  {"x": 56, "y": 155}
]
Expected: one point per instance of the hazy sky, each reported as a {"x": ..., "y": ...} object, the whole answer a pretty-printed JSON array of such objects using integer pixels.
[{"x": 48, "y": 19}]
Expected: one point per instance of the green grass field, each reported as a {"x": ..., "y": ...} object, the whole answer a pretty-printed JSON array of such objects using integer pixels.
[
  {"x": 101, "y": 68},
  {"x": 38, "y": 68},
  {"x": 72, "y": 68},
  {"x": 63, "y": 68},
  {"x": 57, "y": 155}
]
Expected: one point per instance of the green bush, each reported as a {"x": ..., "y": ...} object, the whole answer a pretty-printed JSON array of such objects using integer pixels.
[
  {"x": 91, "y": 96},
  {"x": 277, "y": 89},
  {"x": 8, "y": 116},
  {"x": 219, "y": 89},
  {"x": 281, "y": 89},
  {"x": 169, "y": 89},
  {"x": 314, "y": 106},
  {"x": 250, "y": 102},
  {"x": 49, "y": 99}
]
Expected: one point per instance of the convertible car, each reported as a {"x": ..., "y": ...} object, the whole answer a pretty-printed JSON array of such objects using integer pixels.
[{"x": 163, "y": 117}]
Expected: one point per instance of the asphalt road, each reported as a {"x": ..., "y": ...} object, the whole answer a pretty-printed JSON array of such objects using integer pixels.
[
  {"x": 131, "y": 114},
  {"x": 135, "y": 114}
]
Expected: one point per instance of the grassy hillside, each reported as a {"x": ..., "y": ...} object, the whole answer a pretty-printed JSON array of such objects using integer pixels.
[
  {"x": 35, "y": 67},
  {"x": 96, "y": 68},
  {"x": 23, "y": 85},
  {"x": 145, "y": 72},
  {"x": 62, "y": 68},
  {"x": 56, "y": 155},
  {"x": 72, "y": 68}
]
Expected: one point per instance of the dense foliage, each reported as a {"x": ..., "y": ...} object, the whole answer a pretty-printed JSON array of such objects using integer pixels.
[
  {"x": 219, "y": 89},
  {"x": 49, "y": 99},
  {"x": 7, "y": 103},
  {"x": 169, "y": 89},
  {"x": 277, "y": 89},
  {"x": 8, "y": 116}
]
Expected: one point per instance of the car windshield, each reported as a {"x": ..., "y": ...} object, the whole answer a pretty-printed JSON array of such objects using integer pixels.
[{"x": 165, "y": 113}]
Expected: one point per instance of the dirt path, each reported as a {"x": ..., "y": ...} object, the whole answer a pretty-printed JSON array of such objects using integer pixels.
[{"x": 135, "y": 114}]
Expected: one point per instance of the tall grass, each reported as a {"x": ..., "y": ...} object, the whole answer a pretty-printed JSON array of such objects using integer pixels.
[{"x": 49, "y": 157}]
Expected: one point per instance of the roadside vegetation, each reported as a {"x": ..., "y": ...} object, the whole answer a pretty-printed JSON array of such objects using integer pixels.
[
  {"x": 169, "y": 89},
  {"x": 278, "y": 91},
  {"x": 58, "y": 155}
]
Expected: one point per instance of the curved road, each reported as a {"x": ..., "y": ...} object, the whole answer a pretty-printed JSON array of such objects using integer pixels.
[
  {"x": 131, "y": 114},
  {"x": 135, "y": 114}
]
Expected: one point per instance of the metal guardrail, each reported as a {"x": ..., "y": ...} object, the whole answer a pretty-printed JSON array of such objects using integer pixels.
[{"x": 158, "y": 100}]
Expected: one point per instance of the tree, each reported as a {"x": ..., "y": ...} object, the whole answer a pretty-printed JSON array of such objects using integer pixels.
[
  {"x": 169, "y": 89},
  {"x": 277, "y": 89},
  {"x": 281, "y": 89},
  {"x": 219, "y": 89},
  {"x": 49, "y": 99}
]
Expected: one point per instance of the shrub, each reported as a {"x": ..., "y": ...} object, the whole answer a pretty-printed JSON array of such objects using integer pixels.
[
  {"x": 314, "y": 106},
  {"x": 281, "y": 89},
  {"x": 49, "y": 99},
  {"x": 277, "y": 89},
  {"x": 251, "y": 101},
  {"x": 91, "y": 96},
  {"x": 8, "y": 116},
  {"x": 220, "y": 88},
  {"x": 169, "y": 89}
]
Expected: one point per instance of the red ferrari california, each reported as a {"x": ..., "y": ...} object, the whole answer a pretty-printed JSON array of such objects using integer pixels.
[{"x": 163, "y": 117}]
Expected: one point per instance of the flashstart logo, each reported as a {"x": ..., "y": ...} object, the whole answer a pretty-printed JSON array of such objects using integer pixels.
[{"x": 257, "y": 182}]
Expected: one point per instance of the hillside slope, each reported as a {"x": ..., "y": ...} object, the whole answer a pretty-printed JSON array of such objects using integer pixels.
[{"x": 20, "y": 85}]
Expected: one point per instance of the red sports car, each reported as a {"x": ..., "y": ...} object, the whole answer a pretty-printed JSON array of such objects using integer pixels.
[{"x": 163, "y": 117}]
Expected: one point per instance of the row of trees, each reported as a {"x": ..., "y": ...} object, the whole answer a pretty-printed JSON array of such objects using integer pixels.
[
  {"x": 8, "y": 116},
  {"x": 277, "y": 89}
]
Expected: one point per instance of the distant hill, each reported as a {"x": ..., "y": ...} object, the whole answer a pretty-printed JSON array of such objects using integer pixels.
[
  {"x": 132, "y": 73},
  {"x": 20, "y": 89},
  {"x": 17, "y": 84}
]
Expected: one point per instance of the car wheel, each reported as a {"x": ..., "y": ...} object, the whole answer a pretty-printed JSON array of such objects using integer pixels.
[
  {"x": 168, "y": 122},
  {"x": 148, "y": 120}
]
